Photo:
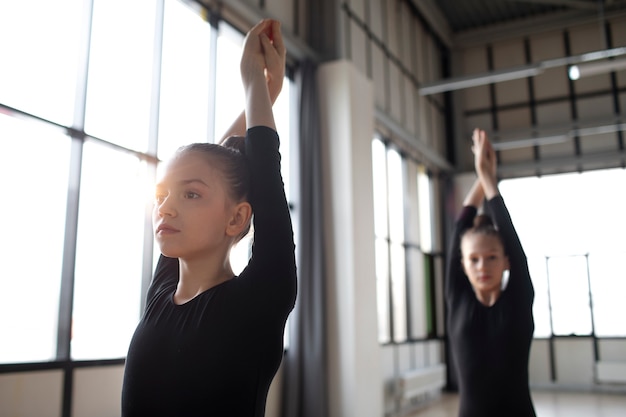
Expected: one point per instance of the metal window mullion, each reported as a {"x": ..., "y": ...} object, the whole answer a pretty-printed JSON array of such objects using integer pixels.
[
  {"x": 405, "y": 245},
  {"x": 153, "y": 147},
  {"x": 68, "y": 266},
  {"x": 214, "y": 21},
  {"x": 76, "y": 132},
  {"x": 596, "y": 354},
  {"x": 551, "y": 340}
]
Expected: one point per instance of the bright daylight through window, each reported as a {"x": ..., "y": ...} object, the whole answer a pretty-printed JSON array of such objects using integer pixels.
[
  {"x": 572, "y": 228},
  {"x": 85, "y": 184}
]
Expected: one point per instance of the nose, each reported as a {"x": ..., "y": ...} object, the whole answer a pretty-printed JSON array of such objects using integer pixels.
[
  {"x": 165, "y": 207},
  {"x": 480, "y": 264}
]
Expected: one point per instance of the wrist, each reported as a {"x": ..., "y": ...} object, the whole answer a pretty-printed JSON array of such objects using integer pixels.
[{"x": 490, "y": 186}]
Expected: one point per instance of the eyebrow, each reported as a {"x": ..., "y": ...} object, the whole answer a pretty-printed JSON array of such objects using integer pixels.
[
  {"x": 186, "y": 182},
  {"x": 192, "y": 181}
]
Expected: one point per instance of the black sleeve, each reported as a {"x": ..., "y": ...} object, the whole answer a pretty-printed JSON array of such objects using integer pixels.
[
  {"x": 165, "y": 273},
  {"x": 520, "y": 283},
  {"x": 273, "y": 250},
  {"x": 456, "y": 281}
]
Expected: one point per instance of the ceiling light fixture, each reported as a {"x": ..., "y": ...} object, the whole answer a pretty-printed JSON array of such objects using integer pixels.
[
  {"x": 594, "y": 68},
  {"x": 490, "y": 77},
  {"x": 560, "y": 137}
]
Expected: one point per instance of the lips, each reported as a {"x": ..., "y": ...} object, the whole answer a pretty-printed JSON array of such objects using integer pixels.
[{"x": 165, "y": 228}]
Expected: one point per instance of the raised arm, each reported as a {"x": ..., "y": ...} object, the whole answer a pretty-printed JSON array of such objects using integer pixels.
[
  {"x": 486, "y": 165},
  {"x": 272, "y": 265}
]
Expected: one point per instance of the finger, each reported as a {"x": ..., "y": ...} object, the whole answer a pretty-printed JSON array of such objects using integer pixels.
[
  {"x": 268, "y": 50},
  {"x": 277, "y": 38},
  {"x": 273, "y": 59}
]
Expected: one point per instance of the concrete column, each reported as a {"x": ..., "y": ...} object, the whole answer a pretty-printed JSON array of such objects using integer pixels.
[{"x": 347, "y": 115}]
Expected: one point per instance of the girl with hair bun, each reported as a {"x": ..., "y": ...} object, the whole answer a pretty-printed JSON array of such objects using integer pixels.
[
  {"x": 209, "y": 343},
  {"x": 490, "y": 327}
]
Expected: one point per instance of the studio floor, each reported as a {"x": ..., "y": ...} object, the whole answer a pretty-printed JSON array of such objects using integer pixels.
[{"x": 547, "y": 404}]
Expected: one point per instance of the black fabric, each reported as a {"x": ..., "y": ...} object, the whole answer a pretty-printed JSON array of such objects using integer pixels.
[
  {"x": 304, "y": 388},
  {"x": 217, "y": 354},
  {"x": 491, "y": 345}
]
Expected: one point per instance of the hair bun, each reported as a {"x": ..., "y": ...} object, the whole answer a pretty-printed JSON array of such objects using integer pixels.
[
  {"x": 482, "y": 220},
  {"x": 234, "y": 142}
]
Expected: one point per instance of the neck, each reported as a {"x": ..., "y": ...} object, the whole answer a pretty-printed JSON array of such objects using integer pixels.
[
  {"x": 199, "y": 275},
  {"x": 488, "y": 298}
]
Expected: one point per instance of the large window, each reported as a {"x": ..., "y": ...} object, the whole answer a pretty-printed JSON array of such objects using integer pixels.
[
  {"x": 572, "y": 227},
  {"x": 405, "y": 259},
  {"x": 34, "y": 171},
  {"x": 92, "y": 95}
]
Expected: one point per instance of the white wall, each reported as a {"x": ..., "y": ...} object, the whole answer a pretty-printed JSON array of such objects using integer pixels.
[{"x": 31, "y": 394}]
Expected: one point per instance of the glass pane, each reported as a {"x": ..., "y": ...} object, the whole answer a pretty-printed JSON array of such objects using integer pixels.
[
  {"x": 382, "y": 290},
  {"x": 604, "y": 203},
  {"x": 608, "y": 286},
  {"x": 412, "y": 227},
  {"x": 541, "y": 305},
  {"x": 39, "y": 46},
  {"x": 113, "y": 199},
  {"x": 436, "y": 210},
  {"x": 418, "y": 295},
  {"x": 425, "y": 221},
  {"x": 119, "y": 89},
  {"x": 34, "y": 167},
  {"x": 241, "y": 252},
  {"x": 185, "y": 75},
  {"x": 569, "y": 295},
  {"x": 438, "y": 263},
  {"x": 396, "y": 196},
  {"x": 229, "y": 97},
  {"x": 398, "y": 292},
  {"x": 379, "y": 173}
]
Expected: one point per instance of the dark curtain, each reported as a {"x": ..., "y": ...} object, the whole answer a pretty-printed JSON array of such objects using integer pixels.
[{"x": 304, "y": 383}]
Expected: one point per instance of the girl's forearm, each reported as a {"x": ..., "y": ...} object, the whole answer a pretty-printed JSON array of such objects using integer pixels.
[
  {"x": 258, "y": 104},
  {"x": 475, "y": 195}
]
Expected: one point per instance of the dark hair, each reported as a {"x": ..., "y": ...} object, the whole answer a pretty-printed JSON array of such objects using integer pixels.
[
  {"x": 483, "y": 225},
  {"x": 229, "y": 159}
]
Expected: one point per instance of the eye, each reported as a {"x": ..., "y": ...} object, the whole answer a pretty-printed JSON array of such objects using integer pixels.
[
  {"x": 191, "y": 195},
  {"x": 159, "y": 197}
]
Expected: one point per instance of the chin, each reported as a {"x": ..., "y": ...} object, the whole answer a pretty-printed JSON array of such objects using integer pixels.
[
  {"x": 169, "y": 252},
  {"x": 489, "y": 286}
]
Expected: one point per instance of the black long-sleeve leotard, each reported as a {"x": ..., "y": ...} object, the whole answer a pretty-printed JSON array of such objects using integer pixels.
[
  {"x": 217, "y": 354},
  {"x": 490, "y": 345}
]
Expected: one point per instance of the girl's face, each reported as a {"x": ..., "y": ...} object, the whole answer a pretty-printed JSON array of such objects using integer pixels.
[
  {"x": 192, "y": 214},
  {"x": 484, "y": 261}
]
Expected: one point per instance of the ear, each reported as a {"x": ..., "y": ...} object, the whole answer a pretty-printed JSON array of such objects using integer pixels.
[
  {"x": 507, "y": 264},
  {"x": 239, "y": 219}
]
